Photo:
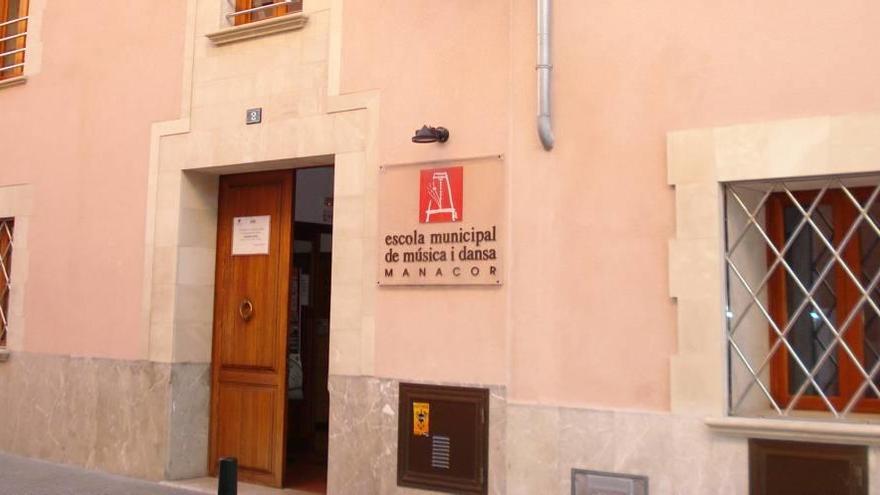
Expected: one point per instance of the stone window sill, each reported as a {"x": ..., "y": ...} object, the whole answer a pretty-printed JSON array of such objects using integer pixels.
[
  {"x": 280, "y": 24},
  {"x": 859, "y": 430},
  {"x": 12, "y": 81}
]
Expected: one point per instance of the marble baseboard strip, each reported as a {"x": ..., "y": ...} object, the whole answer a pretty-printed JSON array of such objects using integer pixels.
[
  {"x": 108, "y": 415},
  {"x": 678, "y": 454},
  {"x": 534, "y": 448},
  {"x": 189, "y": 421},
  {"x": 150, "y": 420},
  {"x": 363, "y": 436}
]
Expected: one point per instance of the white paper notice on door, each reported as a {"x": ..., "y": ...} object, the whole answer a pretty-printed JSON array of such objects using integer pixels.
[{"x": 250, "y": 235}]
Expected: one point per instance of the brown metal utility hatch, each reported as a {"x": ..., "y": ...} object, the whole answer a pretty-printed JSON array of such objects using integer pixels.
[
  {"x": 797, "y": 468},
  {"x": 443, "y": 438}
]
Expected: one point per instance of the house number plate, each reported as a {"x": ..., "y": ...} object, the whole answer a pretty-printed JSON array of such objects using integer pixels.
[{"x": 254, "y": 116}]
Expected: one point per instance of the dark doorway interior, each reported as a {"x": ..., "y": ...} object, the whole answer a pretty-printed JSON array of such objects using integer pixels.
[{"x": 309, "y": 332}]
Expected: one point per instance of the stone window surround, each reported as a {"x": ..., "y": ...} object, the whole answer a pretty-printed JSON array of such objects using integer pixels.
[
  {"x": 33, "y": 54},
  {"x": 227, "y": 33},
  {"x": 699, "y": 162},
  {"x": 265, "y": 27},
  {"x": 16, "y": 202}
]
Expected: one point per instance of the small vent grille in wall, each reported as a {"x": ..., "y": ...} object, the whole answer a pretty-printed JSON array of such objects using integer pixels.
[
  {"x": 440, "y": 452},
  {"x": 585, "y": 482}
]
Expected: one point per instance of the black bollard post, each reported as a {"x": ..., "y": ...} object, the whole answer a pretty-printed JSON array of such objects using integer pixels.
[{"x": 228, "y": 482}]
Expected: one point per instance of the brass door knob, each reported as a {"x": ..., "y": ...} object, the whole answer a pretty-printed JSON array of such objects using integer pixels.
[{"x": 246, "y": 309}]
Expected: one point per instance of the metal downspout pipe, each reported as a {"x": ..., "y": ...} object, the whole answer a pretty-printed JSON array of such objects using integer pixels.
[{"x": 545, "y": 127}]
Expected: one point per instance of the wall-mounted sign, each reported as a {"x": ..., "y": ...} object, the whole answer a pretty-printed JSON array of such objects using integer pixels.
[
  {"x": 250, "y": 235},
  {"x": 427, "y": 238},
  {"x": 421, "y": 419},
  {"x": 440, "y": 195}
]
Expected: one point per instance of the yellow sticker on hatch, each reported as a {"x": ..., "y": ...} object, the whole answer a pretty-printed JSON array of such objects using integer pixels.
[{"x": 421, "y": 418}]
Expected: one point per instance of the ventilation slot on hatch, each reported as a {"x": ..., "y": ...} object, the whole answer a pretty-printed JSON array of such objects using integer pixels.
[{"x": 440, "y": 452}]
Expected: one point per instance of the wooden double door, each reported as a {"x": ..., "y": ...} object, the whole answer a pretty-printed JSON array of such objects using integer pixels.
[{"x": 249, "y": 360}]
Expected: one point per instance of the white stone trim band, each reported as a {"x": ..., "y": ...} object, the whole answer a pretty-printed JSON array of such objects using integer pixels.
[
  {"x": 801, "y": 431},
  {"x": 12, "y": 81},
  {"x": 280, "y": 24}
]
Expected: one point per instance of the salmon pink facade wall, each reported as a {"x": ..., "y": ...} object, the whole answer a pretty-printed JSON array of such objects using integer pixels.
[
  {"x": 438, "y": 68},
  {"x": 584, "y": 317},
  {"x": 78, "y": 131}
]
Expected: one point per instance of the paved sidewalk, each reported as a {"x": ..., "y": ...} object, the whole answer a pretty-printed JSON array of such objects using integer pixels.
[{"x": 20, "y": 476}]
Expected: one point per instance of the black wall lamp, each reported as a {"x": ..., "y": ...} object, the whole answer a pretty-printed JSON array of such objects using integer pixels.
[{"x": 431, "y": 135}]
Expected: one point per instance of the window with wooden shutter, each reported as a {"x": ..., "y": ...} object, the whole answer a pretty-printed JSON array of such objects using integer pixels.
[
  {"x": 13, "y": 34},
  {"x": 803, "y": 266},
  {"x": 257, "y": 10}
]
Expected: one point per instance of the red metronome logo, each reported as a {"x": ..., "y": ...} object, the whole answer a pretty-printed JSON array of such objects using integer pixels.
[{"x": 440, "y": 195}]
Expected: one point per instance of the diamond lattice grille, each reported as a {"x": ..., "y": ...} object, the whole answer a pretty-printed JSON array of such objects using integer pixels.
[
  {"x": 803, "y": 292},
  {"x": 6, "y": 226}
]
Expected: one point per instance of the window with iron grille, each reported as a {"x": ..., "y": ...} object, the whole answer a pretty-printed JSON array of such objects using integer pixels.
[
  {"x": 6, "y": 229},
  {"x": 245, "y": 11},
  {"x": 803, "y": 302},
  {"x": 13, "y": 31}
]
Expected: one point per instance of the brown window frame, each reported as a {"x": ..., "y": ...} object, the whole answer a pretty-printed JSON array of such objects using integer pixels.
[
  {"x": 843, "y": 214},
  {"x": 15, "y": 44},
  {"x": 242, "y": 5}
]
